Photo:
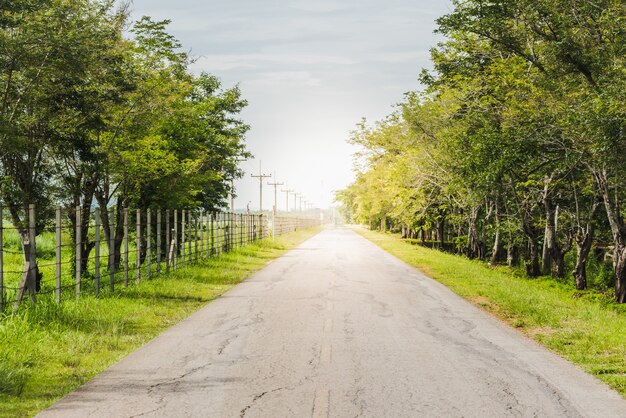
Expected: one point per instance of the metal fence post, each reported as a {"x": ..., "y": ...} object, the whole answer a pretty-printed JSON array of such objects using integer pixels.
[
  {"x": 189, "y": 227},
  {"x": 1, "y": 261},
  {"x": 97, "y": 254},
  {"x": 158, "y": 241},
  {"x": 32, "y": 276},
  {"x": 148, "y": 243},
  {"x": 78, "y": 257},
  {"x": 195, "y": 238},
  {"x": 138, "y": 248},
  {"x": 167, "y": 240},
  {"x": 212, "y": 232},
  {"x": 58, "y": 254},
  {"x": 175, "y": 239},
  {"x": 182, "y": 235},
  {"x": 126, "y": 239},
  {"x": 112, "y": 250}
]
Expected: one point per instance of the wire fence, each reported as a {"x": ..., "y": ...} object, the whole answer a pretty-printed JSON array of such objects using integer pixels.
[{"x": 87, "y": 251}]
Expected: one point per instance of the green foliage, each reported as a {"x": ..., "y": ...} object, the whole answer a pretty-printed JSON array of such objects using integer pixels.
[
  {"x": 87, "y": 111},
  {"x": 516, "y": 141}
]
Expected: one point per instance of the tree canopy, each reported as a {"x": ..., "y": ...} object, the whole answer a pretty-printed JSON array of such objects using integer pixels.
[{"x": 515, "y": 143}]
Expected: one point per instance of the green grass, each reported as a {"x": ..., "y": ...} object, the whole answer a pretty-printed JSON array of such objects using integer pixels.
[
  {"x": 586, "y": 328},
  {"x": 51, "y": 349}
]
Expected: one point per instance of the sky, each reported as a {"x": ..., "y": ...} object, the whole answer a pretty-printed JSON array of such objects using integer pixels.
[{"x": 310, "y": 70}]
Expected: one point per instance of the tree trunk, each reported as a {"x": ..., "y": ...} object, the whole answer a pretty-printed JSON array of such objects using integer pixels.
[
  {"x": 496, "y": 251},
  {"x": 584, "y": 239},
  {"x": 440, "y": 231},
  {"x": 618, "y": 231},
  {"x": 549, "y": 240},
  {"x": 583, "y": 246},
  {"x": 23, "y": 232},
  {"x": 532, "y": 264},
  {"x": 473, "y": 250},
  {"x": 512, "y": 255},
  {"x": 619, "y": 262}
]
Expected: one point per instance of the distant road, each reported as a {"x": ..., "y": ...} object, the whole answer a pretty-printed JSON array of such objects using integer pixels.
[{"x": 340, "y": 328}]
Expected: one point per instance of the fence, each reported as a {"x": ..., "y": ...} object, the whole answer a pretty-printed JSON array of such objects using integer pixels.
[
  {"x": 90, "y": 252},
  {"x": 284, "y": 224}
]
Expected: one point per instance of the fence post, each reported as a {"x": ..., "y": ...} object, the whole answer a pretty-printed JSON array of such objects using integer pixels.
[
  {"x": 182, "y": 235},
  {"x": 158, "y": 241},
  {"x": 203, "y": 234},
  {"x": 167, "y": 240},
  {"x": 212, "y": 232},
  {"x": 112, "y": 250},
  {"x": 175, "y": 239},
  {"x": 138, "y": 248},
  {"x": 195, "y": 238},
  {"x": 148, "y": 244},
  {"x": 32, "y": 276},
  {"x": 1, "y": 261},
  {"x": 78, "y": 258},
  {"x": 97, "y": 254},
  {"x": 126, "y": 238},
  {"x": 189, "y": 227}
]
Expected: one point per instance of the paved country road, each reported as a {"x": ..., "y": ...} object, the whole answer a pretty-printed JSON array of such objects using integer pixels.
[{"x": 340, "y": 328}]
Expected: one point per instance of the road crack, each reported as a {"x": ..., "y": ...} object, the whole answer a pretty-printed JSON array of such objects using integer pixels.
[{"x": 243, "y": 412}]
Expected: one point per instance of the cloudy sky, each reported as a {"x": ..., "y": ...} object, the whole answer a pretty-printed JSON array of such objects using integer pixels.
[{"x": 310, "y": 71}]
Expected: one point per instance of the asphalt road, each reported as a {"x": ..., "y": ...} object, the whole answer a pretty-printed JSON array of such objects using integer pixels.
[{"x": 339, "y": 328}]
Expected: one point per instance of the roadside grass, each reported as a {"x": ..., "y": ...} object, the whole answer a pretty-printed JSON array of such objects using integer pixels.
[
  {"x": 586, "y": 328},
  {"x": 51, "y": 349}
]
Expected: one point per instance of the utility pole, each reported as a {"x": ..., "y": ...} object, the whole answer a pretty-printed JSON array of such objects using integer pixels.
[
  {"x": 261, "y": 176},
  {"x": 300, "y": 197},
  {"x": 295, "y": 196},
  {"x": 287, "y": 198},
  {"x": 275, "y": 184}
]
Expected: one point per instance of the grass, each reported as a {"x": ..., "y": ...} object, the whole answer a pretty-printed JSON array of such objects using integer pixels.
[
  {"x": 51, "y": 349},
  {"x": 586, "y": 328}
]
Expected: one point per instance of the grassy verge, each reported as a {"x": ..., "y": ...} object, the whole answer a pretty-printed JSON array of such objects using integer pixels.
[
  {"x": 52, "y": 349},
  {"x": 586, "y": 328}
]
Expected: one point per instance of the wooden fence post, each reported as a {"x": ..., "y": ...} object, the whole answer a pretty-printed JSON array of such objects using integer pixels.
[
  {"x": 97, "y": 254},
  {"x": 138, "y": 248},
  {"x": 32, "y": 276}
]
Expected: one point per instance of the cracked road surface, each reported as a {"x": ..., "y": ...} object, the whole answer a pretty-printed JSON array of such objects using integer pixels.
[{"x": 339, "y": 328}]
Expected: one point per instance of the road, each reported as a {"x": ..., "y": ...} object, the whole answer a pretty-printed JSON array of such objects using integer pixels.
[{"x": 339, "y": 328}]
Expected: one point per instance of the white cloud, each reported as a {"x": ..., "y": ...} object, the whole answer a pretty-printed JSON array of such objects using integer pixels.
[
  {"x": 285, "y": 78},
  {"x": 223, "y": 62},
  {"x": 310, "y": 70}
]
